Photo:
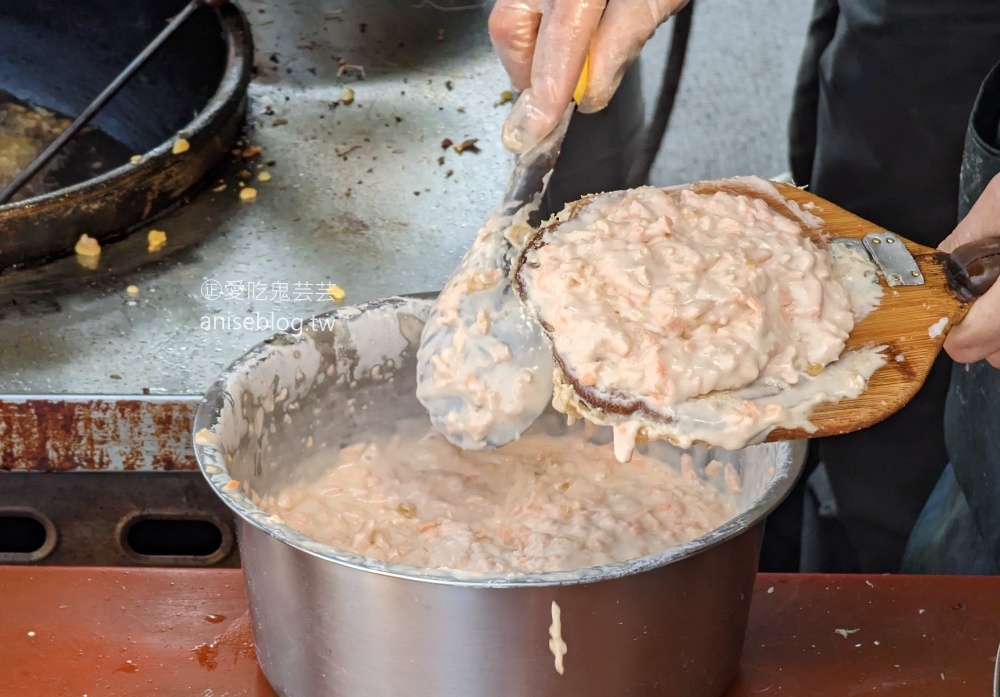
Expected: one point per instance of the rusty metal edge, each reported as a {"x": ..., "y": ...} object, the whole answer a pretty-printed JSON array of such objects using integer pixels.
[{"x": 87, "y": 433}]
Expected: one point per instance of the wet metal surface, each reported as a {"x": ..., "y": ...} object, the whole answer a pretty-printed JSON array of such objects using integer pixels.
[
  {"x": 68, "y": 330},
  {"x": 157, "y": 631},
  {"x": 356, "y": 198}
]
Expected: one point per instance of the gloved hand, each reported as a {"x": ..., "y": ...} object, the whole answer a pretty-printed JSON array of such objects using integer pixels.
[
  {"x": 978, "y": 335},
  {"x": 544, "y": 44}
]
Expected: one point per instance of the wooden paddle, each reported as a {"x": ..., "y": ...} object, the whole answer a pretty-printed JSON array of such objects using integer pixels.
[{"x": 904, "y": 319}]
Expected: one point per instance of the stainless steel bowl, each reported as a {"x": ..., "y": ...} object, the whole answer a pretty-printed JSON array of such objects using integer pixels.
[{"x": 328, "y": 622}]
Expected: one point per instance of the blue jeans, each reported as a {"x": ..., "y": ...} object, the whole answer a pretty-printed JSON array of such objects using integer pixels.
[{"x": 946, "y": 539}]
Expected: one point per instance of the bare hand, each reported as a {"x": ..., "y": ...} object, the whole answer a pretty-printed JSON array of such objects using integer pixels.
[
  {"x": 544, "y": 44},
  {"x": 978, "y": 335}
]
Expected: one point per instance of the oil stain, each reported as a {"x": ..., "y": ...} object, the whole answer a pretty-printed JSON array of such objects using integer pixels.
[
  {"x": 235, "y": 642},
  {"x": 207, "y": 656}
]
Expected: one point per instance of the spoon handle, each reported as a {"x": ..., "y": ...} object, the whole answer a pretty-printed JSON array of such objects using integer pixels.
[
  {"x": 533, "y": 167},
  {"x": 973, "y": 268}
]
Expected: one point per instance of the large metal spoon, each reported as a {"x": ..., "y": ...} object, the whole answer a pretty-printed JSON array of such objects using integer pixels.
[{"x": 484, "y": 372}]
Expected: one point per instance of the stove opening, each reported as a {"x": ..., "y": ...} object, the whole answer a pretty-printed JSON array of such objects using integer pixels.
[
  {"x": 21, "y": 534},
  {"x": 173, "y": 537}
]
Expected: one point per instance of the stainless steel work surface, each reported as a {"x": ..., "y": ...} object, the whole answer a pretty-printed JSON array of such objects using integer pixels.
[
  {"x": 357, "y": 198},
  {"x": 69, "y": 330}
]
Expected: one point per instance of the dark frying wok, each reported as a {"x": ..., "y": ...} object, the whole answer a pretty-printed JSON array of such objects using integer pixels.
[{"x": 59, "y": 54}]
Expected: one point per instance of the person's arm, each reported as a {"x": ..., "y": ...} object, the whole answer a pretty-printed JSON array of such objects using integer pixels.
[
  {"x": 544, "y": 45},
  {"x": 978, "y": 335}
]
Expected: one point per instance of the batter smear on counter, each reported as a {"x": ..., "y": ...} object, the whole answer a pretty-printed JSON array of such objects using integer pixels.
[{"x": 660, "y": 305}]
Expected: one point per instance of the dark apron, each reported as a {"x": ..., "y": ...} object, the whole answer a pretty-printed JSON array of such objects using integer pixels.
[
  {"x": 959, "y": 530},
  {"x": 972, "y": 416},
  {"x": 879, "y": 123},
  {"x": 599, "y": 148}
]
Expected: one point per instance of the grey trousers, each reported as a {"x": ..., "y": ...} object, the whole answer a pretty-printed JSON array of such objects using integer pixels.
[{"x": 959, "y": 528}]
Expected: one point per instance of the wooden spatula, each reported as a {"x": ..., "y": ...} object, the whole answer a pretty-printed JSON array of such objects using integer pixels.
[{"x": 944, "y": 286}]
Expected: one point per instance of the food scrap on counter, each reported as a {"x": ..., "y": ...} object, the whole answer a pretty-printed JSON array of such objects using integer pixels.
[
  {"x": 506, "y": 97},
  {"x": 156, "y": 240},
  {"x": 87, "y": 246},
  {"x": 468, "y": 145}
]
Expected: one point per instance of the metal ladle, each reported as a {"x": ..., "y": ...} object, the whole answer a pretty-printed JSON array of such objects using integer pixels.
[{"x": 500, "y": 369}]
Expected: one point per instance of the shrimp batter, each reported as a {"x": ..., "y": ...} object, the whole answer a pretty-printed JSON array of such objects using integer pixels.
[
  {"x": 536, "y": 505},
  {"x": 653, "y": 298}
]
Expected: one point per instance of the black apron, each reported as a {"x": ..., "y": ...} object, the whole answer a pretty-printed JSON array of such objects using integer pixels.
[
  {"x": 972, "y": 414},
  {"x": 879, "y": 121},
  {"x": 599, "y": 148}
]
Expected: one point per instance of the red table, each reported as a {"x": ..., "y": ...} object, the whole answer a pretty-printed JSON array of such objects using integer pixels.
[{"x": 121, "y": 632}]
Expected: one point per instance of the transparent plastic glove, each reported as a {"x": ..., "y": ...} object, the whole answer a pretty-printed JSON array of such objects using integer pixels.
[
  {"x": 544, "y": 45},
  {"x": 978, "y": 335}
]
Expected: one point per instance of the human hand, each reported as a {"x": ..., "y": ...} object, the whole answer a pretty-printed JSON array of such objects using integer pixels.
[
  {"x": 978, "y": 335},
  {"x": 544, "y": 45}
]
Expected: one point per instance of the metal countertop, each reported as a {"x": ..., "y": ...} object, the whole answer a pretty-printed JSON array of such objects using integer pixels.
[
  {"x": 93, "y": 378},
  {"x": 401, "y": 228}
]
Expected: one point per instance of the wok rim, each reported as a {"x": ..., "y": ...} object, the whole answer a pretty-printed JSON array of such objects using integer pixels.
[{"x": 236, "y": 34}]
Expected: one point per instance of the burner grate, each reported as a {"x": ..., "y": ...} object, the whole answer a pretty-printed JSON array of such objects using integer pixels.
[{"x": 114, "y": 519}]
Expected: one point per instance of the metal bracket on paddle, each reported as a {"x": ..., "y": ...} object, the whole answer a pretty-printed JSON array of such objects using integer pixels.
[
  {"x": 893, "y": 259},
  {"x": 890, "y": 255}
]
